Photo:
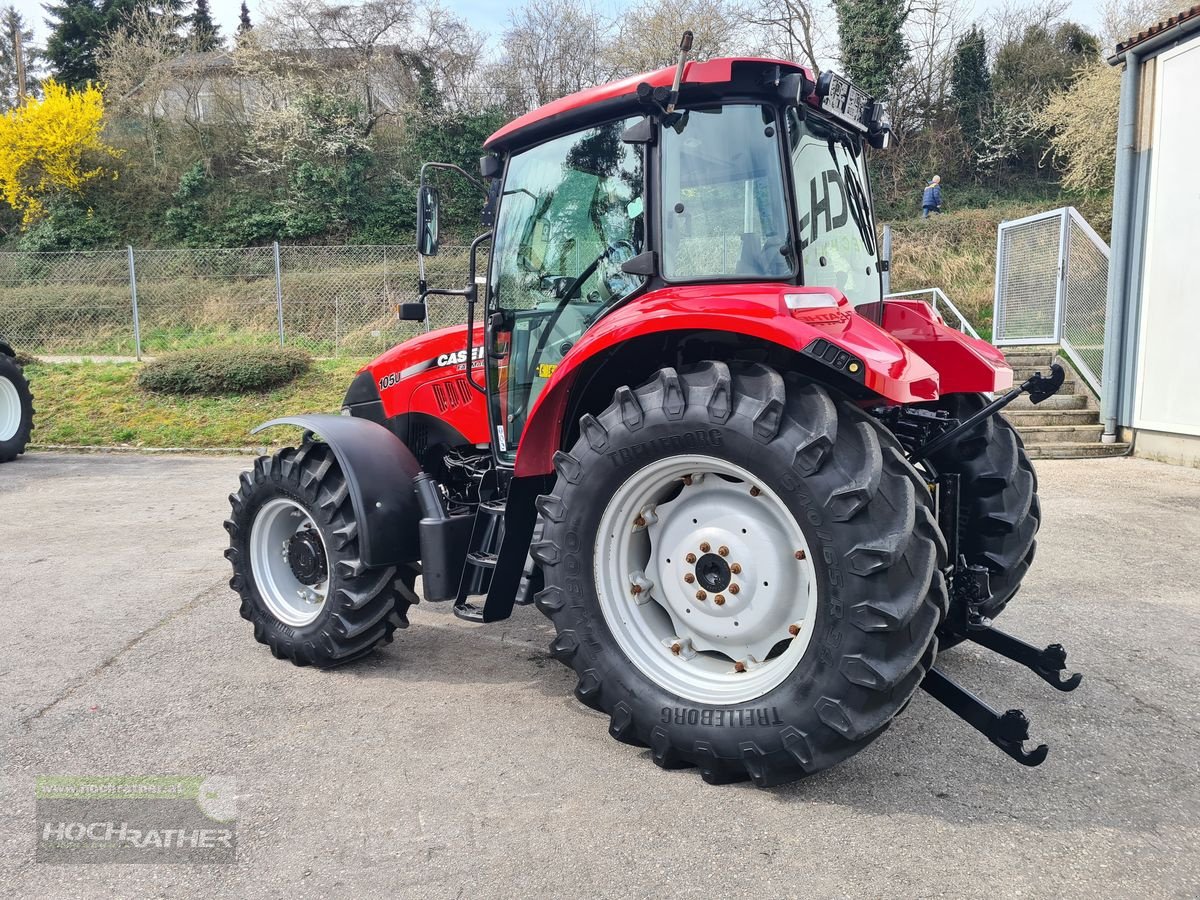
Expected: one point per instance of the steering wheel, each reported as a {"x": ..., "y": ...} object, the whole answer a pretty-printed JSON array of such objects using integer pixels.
[{"x": 624, "y": 247}]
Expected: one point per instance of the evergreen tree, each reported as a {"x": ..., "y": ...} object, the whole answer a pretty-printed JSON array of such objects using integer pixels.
[
  {"x": 872, "y": 41},
  {"x": 971, "y": 84},
  {"x": 204, "y": 32},
  {"x": 244, "y": 23}
]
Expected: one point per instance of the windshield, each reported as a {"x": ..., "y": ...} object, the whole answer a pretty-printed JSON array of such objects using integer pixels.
[
  {"x": 723, "y": 212},
  {"x": 837, "y": 231},
  {"x": 570, "y": 214}
]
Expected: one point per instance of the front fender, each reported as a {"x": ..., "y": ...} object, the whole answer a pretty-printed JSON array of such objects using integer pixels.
[
  {"x": 379, "y": 472},
  {"x": 758, "y": 311}
]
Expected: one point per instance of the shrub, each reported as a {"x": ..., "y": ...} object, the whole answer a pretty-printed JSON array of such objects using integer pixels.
[{"x": 224, "y": 370}]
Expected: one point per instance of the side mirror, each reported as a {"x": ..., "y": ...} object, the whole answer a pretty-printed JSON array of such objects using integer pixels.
[
  {"x": 412, "y": 312},
  {"x": 428, "y": 202}
]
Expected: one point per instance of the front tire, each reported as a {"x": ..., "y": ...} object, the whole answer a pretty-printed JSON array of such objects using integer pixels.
[
  {"x": 293, "y": 544},
  {"x": 819, "y": 677},
  {"x": 16, "y": 409}
]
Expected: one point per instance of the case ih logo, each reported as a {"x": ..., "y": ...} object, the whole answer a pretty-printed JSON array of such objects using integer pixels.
[{"x": 459, "y": 357}]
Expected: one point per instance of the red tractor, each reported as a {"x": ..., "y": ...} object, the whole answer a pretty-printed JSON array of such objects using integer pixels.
[{"x": 754, "y": 496}]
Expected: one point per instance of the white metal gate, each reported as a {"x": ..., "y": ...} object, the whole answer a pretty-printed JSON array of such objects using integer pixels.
[{"x": 1052, "y": 287}]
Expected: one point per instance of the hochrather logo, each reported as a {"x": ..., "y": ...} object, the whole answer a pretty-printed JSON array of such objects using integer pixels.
[{"x": 136, "y": 819}]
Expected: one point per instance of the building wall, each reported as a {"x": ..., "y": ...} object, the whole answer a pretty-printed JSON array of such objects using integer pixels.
[{"x": 1167, "y": 388}]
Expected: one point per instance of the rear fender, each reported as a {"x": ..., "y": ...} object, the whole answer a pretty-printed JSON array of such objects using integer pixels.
[
  {"x": 964, "y": 364},
  {"x": 379, "y": 472},
  {"x": 846, "y": 341}
]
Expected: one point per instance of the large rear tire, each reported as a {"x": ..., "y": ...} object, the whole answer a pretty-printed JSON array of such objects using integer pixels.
[
  {"x": 16, "y": 409},
  {"x": 999, "y": 509},
  {"x": 811, "y": 538},
  {"x": 293, "y": 544}
]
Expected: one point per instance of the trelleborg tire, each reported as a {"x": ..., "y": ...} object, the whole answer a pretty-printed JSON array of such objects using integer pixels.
[
  {"x": 999, "y": 512},
  {"x": 293, "y": 544},
  {"x": 723, "y": 483},
  {"x": 16, "y": 409}
]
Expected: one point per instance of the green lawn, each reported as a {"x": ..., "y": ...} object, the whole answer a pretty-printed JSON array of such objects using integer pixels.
[{"x": 100, "y": 404}]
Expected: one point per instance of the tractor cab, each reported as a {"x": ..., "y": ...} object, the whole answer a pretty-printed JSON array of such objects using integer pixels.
[{"x": 756, "y": 175}]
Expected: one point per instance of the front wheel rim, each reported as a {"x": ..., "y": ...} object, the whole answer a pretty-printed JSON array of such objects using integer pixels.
[
  {"x": 705, "y": 579},
  {"x": 289, "y": 599},
  {"x": 10, "y": 409}
]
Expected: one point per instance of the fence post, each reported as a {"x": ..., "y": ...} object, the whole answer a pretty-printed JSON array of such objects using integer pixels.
[
  {"x": 137, "y": 322},
  {"x": 278, "y": 291},
  {"x": 887, "y": 260},
  {"x": 1060, "y": 292}
]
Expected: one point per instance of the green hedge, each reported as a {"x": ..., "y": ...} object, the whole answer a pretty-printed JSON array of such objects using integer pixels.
[{"x": 224, "y": 370}]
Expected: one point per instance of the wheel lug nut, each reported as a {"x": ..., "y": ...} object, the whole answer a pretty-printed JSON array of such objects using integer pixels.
[
  {"x": 689, "y": 577},
  {"x": 636, "y": 589},
  {"x": 724, "y": 551},
  {"x": 719, "y": 599},
  {"x": 734, "y": 589},
  {"x": 691, "y": 557},
  {"x": 793, "y": 630},
  {"x": 676, "y": 648},
  {"x": 687, "y": 479},
  {"x": 700, "y": 595},
  {"x": 800, "y": 554},
  {"x": 640, "y": 521},
  {"x": 754, "y": 492},
  {"x": 704, "y": 548},
  {"x": 739, "y": 666},
  {"x": 736, "y": 568}
]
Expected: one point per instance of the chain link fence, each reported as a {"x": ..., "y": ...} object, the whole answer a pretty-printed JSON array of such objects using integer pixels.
[
  {"x": 1052, "y": 287},
  {"x": 332, "y": 301}
]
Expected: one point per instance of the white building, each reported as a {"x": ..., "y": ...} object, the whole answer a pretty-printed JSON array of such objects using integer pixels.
[{"x": 1152, "y": 346}]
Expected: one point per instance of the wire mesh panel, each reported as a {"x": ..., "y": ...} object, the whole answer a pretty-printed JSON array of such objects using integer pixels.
[
  {"x": 1085, "y": 300},
  {"x": 1027, "y": 273},
  {"x": 67, "y": 303},
  {"x": 200, "y": 297},
  {"x": 342, "y": 301}
]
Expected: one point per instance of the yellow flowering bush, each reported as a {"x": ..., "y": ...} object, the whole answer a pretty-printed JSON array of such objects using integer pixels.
[{"x": 50, "y": 146}]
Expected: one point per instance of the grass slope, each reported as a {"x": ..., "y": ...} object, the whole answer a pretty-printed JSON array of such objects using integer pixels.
[
  {"x": 100, "y": 404},
  {"x": 957, "y": 251}
]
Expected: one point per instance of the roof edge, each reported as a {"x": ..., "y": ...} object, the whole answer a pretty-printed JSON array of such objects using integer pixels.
[{"x": 1178, "y": 25}]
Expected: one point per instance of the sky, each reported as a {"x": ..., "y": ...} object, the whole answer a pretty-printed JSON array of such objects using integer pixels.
[{"x": 490, "y": 17}]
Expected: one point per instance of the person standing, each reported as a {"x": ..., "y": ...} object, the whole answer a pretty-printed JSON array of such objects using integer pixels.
[{"x": 931, "y": 200}]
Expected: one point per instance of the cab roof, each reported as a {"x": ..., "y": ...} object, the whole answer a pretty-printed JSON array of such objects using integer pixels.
[{"x": 599, "y": 103}]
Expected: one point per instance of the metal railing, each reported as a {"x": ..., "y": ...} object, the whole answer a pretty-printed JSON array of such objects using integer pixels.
[
  {"x": 330, "y": 300},
  {"x": 944, "y": 307},
  {"x": 1051, "y": 288}
]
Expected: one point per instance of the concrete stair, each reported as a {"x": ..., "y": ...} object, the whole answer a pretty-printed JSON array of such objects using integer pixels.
[{"x": 1065, "y": 426}]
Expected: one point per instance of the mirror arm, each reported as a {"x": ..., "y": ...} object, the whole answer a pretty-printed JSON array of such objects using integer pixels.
[
  {"x": 453, "y": 168},
  {"x": 471, "y": 292}
]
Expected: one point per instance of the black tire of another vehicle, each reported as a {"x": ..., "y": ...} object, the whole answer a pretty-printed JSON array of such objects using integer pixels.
[{"x": 16, "y": 394}]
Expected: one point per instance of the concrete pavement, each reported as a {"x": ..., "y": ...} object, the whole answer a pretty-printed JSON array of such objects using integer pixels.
[{"x": 456, "y": 763}]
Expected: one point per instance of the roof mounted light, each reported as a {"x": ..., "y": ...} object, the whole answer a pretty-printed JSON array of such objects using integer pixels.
[{"x": 845, "y": 101}]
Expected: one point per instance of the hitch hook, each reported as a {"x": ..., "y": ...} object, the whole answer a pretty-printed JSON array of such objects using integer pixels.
[
  {"x": 1008, "y": 731},
  {"x": 1048, "y": 664}
]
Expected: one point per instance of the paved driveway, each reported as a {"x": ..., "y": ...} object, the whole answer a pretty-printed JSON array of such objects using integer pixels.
[{"x": 456, "y": 762}]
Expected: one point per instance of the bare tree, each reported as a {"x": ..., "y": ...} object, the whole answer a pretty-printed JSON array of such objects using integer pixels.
[
  {"x": 1008, "y": 22},
  {"x": 932, "y": 30},
  {"x": 551, "y": 48},
  {"x": 803, "y": 31},
  {"x": 1122, "y": 19},
  {"x": 649, "y": 33}
]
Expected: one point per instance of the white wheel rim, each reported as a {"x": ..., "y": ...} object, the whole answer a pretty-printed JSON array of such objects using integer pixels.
[
  {"x": 10, "y": 409},
  {"x": 719, "y": 652},
  {"x": 289, "y": 600}
]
